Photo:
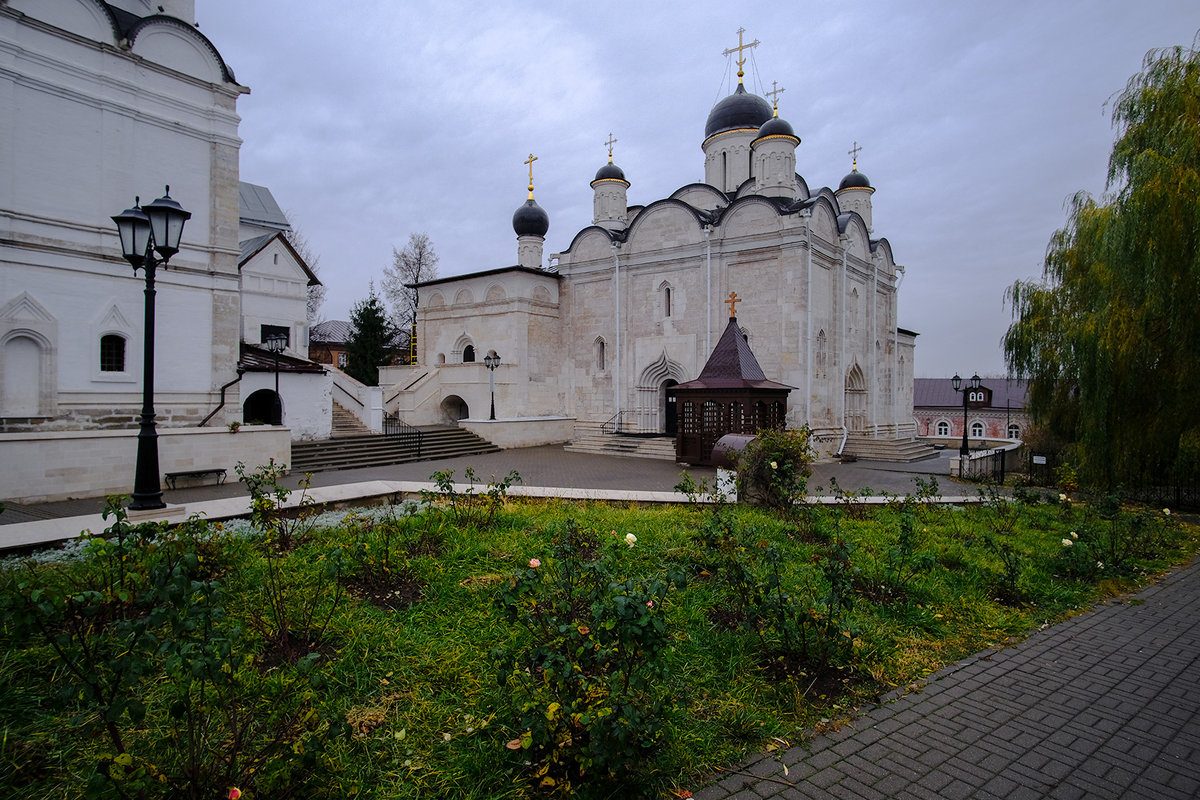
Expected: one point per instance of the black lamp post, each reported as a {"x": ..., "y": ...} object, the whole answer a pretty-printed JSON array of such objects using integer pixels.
[
  {"x": 276, "y": 342},
  {"x": 145, "y": 230},
  {"x": 957, "y": 381},
  {"x": 491, "y": 361}
]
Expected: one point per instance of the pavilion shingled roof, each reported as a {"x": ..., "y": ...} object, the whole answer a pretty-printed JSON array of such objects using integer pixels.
[{"x": 732, "y": 365}]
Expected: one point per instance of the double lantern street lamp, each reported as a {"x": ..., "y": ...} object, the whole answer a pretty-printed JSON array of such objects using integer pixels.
[
  {"x": 491, "y": 361},
  {"x": 957, "y": 381},
  {"x": 144, "y": 231},
  {"x": 276, "y": 343}
]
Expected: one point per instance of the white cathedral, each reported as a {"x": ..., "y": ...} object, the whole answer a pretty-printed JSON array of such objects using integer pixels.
[{"x": 596, "y": 337}]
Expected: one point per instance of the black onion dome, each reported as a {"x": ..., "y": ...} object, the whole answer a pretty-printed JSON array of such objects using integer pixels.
[
  {"x": 739, "y": 110},
  {"x": 531, "y": 219},
  {"x": 854, "y": 180},
  {"x": 776, "y": 126},
  {"x": 610, "y": 172}
]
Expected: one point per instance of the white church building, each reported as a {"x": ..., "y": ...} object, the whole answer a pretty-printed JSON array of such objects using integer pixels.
[
  {"x": 104, "y": 102},
  {"x": 595, "y": 336}
]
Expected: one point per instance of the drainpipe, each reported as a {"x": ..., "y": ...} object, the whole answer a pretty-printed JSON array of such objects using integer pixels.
[
  {"x": 807, "y": 216},
  {"x": 240, "y": 373},
  {"x": 617, "y": 292},
  {"x": 708, "y": 291},
  {"x": 875, "y": 356},
  {"x": 896, "y": 351},
  {"x": 842, "y": 347}
]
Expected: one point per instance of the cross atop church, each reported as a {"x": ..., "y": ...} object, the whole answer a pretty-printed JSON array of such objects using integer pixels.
[
  {"x": 853, "y": 151},
  {"x": 611, "y": 141},
  {"x": 732, "y": 303},
  {"x": 741, "y": 59},
  {"x": 776, "y": 90},
  {"x": 532, "y": 158}
]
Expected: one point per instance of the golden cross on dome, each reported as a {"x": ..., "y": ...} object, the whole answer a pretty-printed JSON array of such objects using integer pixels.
[
  {"x": 853, "y": 151},
  {"x": 732, "y": 303},
  {"x": 741, "y": 59},
  {"x": 611, "y": 141},
  {"x": 532, "y": 158},
  {"x": 776, "y": 90}
]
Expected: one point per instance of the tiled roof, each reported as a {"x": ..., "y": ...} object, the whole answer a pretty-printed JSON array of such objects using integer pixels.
[
  {"x": 939, "y": 393},
  {"x": 258, "y": 206},
  {"x": 333, "y": 331},
  {"x": 259, "y": 359},
  {"x": 732, "y": 365}
]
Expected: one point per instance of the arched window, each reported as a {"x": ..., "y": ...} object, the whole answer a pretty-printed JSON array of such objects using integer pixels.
[
  {"x": 943, "y": 428},
  {"x": 667, "y": 301},
  {"x": 112, "y": 353},
  {"x": 977, "y": 430},
  {"x": 822, "y": 354},
  {"x": 469, "y": 354},
  {"x": 600, "y": 354},
  {"x": 1014, "y": 431}
]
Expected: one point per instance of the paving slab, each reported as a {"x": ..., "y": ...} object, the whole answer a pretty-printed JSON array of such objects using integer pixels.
[{"x": 1121, "y": 720}]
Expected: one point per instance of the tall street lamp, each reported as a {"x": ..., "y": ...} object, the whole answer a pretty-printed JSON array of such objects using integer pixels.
[
  {"x": 276, "y": 343},
  {"x": 957, "y": 381},
  {"x": 145, "y": 230},
  {"x": 491, "y": 361}
]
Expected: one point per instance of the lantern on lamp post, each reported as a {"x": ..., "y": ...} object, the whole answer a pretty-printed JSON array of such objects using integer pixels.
[
  {"x": 276, "y": 343},
  {"x": 956, "y": 381},
  {"x": 491, "y": 361},
  {"x": 144, "y": 231}
]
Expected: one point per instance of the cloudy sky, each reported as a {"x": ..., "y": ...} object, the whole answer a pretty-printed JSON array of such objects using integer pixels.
[{"x": 373, "y": 119}]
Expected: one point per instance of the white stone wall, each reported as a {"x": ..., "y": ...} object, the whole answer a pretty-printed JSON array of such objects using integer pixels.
[
  {"x": 97, "y": 126},
  {"x": 45, "y": 467},
  {"x": 306, "y": 398}
]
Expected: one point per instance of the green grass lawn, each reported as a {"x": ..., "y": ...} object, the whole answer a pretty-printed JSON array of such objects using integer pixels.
[{"x": 520, "y": 649}]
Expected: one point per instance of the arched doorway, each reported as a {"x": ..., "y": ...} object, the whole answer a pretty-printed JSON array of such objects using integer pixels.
[
  {"x": 670, "y": 407},
  {"x": 263, "y": 407},
  {"x": 22, "y": 377},
  {"x": 453, "y": 409},
  {"x": 856, "y": 400}
]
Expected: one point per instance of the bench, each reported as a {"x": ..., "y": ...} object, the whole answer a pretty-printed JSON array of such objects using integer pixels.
[{"x": 219, "y": 472}]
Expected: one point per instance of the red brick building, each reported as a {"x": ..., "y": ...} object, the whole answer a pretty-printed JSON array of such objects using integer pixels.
[{"x": 997, "y": 411}]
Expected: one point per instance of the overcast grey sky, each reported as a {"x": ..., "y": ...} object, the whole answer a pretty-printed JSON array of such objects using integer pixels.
[{"x": 370, "y": 120}]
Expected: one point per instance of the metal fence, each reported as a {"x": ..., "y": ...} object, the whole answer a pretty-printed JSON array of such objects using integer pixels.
[{"x": 983, "y": 467}]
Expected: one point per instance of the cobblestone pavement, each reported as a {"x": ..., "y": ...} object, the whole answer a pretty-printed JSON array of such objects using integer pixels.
[{"x": 1104, "y": 705}]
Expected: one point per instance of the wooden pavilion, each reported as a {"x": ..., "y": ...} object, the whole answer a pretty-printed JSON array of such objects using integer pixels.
[{"x": 732, "y": 395}]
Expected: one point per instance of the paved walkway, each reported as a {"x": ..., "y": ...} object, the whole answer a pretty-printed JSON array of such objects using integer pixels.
[{"x": 1105, "y": 705}]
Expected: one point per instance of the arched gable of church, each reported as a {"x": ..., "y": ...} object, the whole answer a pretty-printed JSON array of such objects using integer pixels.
[
  {"x": 802, "y": 191},
  {"x": 700, "y": 195},
  {"x": 590, "y": 244},
  {"x": 176, "y": 44},
  {"x": 882, "y": 248},
  {"x": 749, "y": 215},
  {"x": 90, "y": 19},
  {"x": 823, "y": 221},
  {"x": 660, "y": 222},
  {"x": 852, "y": 226}
]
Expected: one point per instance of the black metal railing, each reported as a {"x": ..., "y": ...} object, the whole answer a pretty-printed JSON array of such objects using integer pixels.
[
  {"x": 985, "y": 467},
  {"x": 613, "y": 424},
  {"x": 406, "y": 434}
]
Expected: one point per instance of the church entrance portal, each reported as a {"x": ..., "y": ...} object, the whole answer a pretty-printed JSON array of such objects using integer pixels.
[
  {"x": 262, "y": 408},
  {"x": 856, "y": 400},
  {"x": 670, "y": 409}
]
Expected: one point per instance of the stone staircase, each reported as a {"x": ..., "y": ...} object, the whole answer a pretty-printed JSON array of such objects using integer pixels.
[
  {"x": 589, "y": 439},
  {"x": 346, "y": 424},
  {"x": 374, "y": 450},
  {"x": 865, "y": 448}
]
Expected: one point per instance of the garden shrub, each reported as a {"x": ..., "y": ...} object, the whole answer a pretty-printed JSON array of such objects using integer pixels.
[
  {"x": 587, "y": 679},
  {"x": 773, "y": 470}
]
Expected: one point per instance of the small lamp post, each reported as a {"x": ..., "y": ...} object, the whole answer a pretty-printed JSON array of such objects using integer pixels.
[
  {"x": 276, "y": 343},
  {"x": 145, "y": 230},
  {"x": 491, "y": 361},
  {"x": 957, "y": 382}
]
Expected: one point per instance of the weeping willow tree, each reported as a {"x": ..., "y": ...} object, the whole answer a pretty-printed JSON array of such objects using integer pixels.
[{"x": 1109, "y": 339}]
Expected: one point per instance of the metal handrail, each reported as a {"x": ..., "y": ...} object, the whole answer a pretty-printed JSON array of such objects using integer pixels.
[
  {"x": 613, "y": 425},
  {"x": 397, "y": 428}
]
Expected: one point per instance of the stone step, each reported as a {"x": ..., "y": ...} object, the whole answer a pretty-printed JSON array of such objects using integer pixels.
[
  {"x": 903, "y": 450},
  {"x": 377, "y": 450},
  {"x": 346, "y": 424},
  {"x": 590, "y": 440}
]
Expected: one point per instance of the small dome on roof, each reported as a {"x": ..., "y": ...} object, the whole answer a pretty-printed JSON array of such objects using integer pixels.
[
  {"x": 531, "y": 219},
  {"x": 854, "y": 180},
  {"x": 610, "y": 172},
  {"x": 739, "y": 110},
  {"x": 776, "y": 126}
]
